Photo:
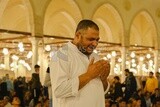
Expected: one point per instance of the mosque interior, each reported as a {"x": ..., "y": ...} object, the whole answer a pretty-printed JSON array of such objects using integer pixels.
[{"x": 32, "y": 30}]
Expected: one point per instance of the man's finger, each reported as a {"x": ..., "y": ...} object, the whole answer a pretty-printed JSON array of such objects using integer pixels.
[{"x": 92, "y": 61}]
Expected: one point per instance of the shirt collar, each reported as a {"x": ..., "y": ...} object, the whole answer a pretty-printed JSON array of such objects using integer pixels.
[{"x": 74, "y": 48}]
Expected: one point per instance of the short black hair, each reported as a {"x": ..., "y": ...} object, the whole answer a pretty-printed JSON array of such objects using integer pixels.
[
  {"x": 151, "y": 72},
  {"x": 126, "y": 70},
  {"x": 122, "y": 100},
  {"x": 36, "y": 66},
  {"x": 85, "y": 24},
  {"x": 117, "y": 78},
  {"x": 48, "y": 70}
]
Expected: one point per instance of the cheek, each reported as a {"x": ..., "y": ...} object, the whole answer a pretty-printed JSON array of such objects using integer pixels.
[
  {"x": 86, "y": 42},
  {"x": 83, "y": 42}
]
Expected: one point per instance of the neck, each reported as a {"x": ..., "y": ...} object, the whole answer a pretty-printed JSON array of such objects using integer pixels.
[
  {"x": 75, "y": 43},
  {"x": 16, "y": 105}
]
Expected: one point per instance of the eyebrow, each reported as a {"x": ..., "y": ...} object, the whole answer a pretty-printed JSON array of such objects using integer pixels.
[{"x": 94, "y": 38}]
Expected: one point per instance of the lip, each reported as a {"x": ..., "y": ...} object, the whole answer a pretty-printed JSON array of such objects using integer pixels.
[{"x": 90, "y": 49}]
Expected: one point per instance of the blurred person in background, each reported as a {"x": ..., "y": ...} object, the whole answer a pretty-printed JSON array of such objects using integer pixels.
[
  {"x": 151, "y": 83},
  {"x": 47, "y": 83},
  {"x": 36, "y": 84}
]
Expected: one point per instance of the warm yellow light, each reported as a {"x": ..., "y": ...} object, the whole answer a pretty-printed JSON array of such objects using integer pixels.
[
  {"x": 5, "y": 51},
  {"x": 48, "y": 48},
  {"x": 148, "y": 56},
  {"x": 133, "y": 55},
  {"x": 114, "y": 53}
]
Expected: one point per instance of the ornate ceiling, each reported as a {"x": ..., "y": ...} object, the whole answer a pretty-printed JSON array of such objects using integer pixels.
[{"x": 123, "y": 23}]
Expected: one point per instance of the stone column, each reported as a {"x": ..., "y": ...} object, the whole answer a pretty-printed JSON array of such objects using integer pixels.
[
  {"x": 6, "y": 61},
  {"x": 125, "y": 45},
  {"x": 155, "y": 61},
  {"x": 35, "y": 55},
  {"x": 123, "y": 64},
  {"x": 15, "y": 68},
  {"x": 41, "y": 63},
  {"x": 21, "y": 71},
  {"x": 140, "y": 71},
  {"x": 112, "y": 65}
]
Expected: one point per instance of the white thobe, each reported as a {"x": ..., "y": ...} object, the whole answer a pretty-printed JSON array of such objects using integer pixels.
[
  {"x": 66, "y": 66},
  {"x": 47, "y": 83}
]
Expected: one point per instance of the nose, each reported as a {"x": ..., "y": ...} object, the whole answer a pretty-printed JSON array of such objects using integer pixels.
[{"x": 95, "y": 43}]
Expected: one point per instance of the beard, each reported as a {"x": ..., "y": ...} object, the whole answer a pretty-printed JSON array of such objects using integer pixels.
[{"x": 83, "y": 49}]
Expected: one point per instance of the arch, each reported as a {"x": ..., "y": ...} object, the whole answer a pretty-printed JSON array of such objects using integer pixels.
[
  {"x": 30, "y": 14},
  {"x": 61, "y": 17},
  {"x": 3, "y": 4},
  {"x": 18, "y": 8},
  {"x": 106, "y": 29},
  {"x": 112, "y": 19},
  {"x": 64, "y": 27},
  {"x": 145, "y": 29}
]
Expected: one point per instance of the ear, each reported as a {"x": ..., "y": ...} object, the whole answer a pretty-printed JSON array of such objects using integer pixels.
[{"x": 78, "y": 35}]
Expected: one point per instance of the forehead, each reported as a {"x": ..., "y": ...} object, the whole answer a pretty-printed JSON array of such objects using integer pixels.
[
  {"x": 91, "y": 29},
  {"x": 91, "y": 32}
]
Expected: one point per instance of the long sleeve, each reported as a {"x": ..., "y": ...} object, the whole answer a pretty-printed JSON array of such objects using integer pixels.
[
  {"x": 64, "y": 84},
  {"x": 151, "y": 84},
  {"x": 47, "y": 81}
]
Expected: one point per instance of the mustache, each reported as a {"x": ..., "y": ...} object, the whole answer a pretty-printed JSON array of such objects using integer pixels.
[
  {"x": 92, "y": 47},
  {"x": 83, "y": 49}
]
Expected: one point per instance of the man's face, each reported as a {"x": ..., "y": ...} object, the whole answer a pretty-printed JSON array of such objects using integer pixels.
[
  {"x": 122, "y": 104},
  {"x": 150, "y": 75},
  {"x": 88, "y": 40},
  {"x": 37, "y": 70},
  {"x": 126, "y": 73},
  {"x": 115, "y": 80}
]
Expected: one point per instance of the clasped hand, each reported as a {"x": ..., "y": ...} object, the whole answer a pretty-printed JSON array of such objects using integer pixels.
[{"x": 100, "y": 68}]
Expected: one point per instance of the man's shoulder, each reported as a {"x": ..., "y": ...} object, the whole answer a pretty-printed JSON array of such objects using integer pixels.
[
  {"x": 63, "y": 53},
  {"x": 35, "y": 75}
]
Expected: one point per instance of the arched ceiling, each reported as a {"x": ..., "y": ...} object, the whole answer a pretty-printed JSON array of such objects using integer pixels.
[
  {"x": 110, "y": 22},
  {"x": 143, "y": 30},
  {"x": 15, "y": 16},
  {"x": 143, "y": 36},
  {"x": 61, "y": 18}
]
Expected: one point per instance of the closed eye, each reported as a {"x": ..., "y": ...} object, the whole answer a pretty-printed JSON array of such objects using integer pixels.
[{"x": 93, "y": 39}]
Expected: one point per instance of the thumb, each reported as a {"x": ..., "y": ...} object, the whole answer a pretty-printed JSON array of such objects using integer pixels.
[{"x": 92, "y": 61}]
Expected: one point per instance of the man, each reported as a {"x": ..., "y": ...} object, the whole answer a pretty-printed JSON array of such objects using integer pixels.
[
  {"x": 151, "y": 83},
  {"x": 47, "y": 83},
  {"x": 3, "y": 88},
  {"x": 36, "y": 84},
  {"x": 130, "y": 84},
  {"x": 158, "y": 78},
  {"x": 122, "y": 103},
  {"x": 9, "y": 83},
  {"x": 6, "y": 101},
  {"x": 118, "y": 93},
  {"x": 78, "y": 77}
]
